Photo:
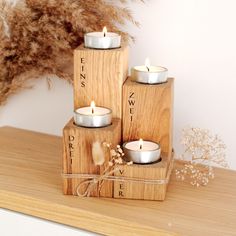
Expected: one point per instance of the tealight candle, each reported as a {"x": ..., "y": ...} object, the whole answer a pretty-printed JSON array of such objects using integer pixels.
[
  {"x": 102, "y": 40},
  {"x": 142, "y": 152},
  {"x": 148, "y": 74},
  {"x": 93, "y": 116}
]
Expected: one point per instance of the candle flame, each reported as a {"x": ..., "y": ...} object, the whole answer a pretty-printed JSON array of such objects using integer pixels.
[
  {"x": 104, "y": 31},
  {"x": 92, "y": 105},
  {"x": 147, "y": 63},
  {"x": 140, "y": 144}
]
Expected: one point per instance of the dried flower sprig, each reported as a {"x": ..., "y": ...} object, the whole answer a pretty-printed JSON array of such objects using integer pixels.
[
  {"x": 116, "y": 160},
  {"x": 110, "y": 167},
  {"x": 202, "y": 150},
  {"x": 98, "y": 154}
]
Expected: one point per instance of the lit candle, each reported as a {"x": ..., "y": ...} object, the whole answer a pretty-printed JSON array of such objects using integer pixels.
[
  {"x": 93, "y": 116},
  {"x": 102, "y": 40},
  {"x": 148, "y": 74},
  {"x": 142, "y": 152}
]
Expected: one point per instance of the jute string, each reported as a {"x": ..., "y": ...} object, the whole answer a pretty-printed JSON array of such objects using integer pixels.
[{"x": 92, "y": 180}]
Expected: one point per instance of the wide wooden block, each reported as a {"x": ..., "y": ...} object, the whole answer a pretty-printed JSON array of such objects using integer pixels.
[
  {"x": 148, "y": 113},
  {"x": 139, "y": 189},
  {"x": 77, "y": 154},
  {"x": 99, "y": 76}
]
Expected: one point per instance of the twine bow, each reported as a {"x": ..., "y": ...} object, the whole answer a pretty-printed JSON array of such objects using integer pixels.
[{"x": 92, "y": 183}]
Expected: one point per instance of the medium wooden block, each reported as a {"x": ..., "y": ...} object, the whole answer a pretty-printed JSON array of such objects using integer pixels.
[
  {"x": 77, "y": 155},
  {"x": 139, "y": 190},
  {"x": 148, "y": 113},
  {"x": 99, "y": 76}
]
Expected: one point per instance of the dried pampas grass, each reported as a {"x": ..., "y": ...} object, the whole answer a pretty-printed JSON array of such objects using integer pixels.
[{"x": 37, "y": 37}]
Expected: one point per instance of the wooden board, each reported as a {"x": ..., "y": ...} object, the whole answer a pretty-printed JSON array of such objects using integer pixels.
[
  {"x": 77, "y": 154},
  {"x": 30, "y": 182},
  {"x": 148, "y": 113},
  {"x": 99, "y": 76},
  {"x": 135, "y": 190}
]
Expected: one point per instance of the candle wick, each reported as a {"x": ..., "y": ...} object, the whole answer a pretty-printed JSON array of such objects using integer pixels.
[
  {"x": 148, "y": 68},
  {"x": 92, "y": 110},
  {"x": 141, "y": 146},
  {"x": 104, "y": 34}
]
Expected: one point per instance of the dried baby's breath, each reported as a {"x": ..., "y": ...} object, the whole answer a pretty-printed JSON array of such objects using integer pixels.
[{"x": 202, "y": 150}]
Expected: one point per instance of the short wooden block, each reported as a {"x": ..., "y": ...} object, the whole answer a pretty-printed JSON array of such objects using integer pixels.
[
  {"x": 99, "y": 76},
  {"x": 77, "y": 154},
  {"x": 139, "y": 190},
  {"x": 148, "y": 113}
]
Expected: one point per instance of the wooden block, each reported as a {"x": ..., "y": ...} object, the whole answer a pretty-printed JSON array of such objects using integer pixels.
[
  {"x": 77, "y": 154},
  {"x": 99, "y": 76},
  {"x": 148, "y": 113},
  {"x": 139, "y": 190}
]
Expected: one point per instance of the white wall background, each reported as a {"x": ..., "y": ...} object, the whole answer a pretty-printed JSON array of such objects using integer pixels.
[{"x": 194, "y": 39}]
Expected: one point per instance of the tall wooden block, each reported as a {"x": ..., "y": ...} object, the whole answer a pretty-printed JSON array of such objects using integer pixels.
[
  {"x": 99, "y": 76},
  {"x": 148, "y": 113},
  {"x": 77, "y": 154},
  {"x": 140, "y": 189}
]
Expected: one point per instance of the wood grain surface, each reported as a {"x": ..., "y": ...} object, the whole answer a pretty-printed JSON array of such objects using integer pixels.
[
  {"x": 148, "y": 113},
  {"x": 30, "y": 182},
  {"x": 77, "y": 154},
  {"x": 99, "y": 76},
  {"x": 135, "y": 190}
]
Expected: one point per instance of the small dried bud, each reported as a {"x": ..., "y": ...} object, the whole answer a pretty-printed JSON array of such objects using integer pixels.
[
  {"x": 113, "y": 152},
  {"x": 98, "y": 153}
]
